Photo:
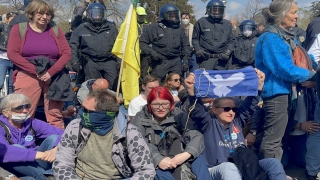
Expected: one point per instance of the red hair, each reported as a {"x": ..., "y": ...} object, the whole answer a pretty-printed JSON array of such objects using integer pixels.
[{"x": 161, "y": 93}]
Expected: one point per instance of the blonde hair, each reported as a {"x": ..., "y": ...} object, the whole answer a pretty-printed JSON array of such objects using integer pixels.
[{"x": 38, "y": 6}]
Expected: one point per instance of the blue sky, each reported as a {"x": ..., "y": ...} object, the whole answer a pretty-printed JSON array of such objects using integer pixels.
[{"x": 234, "y": 6}]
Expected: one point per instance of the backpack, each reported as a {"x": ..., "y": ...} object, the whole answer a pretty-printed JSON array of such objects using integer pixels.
[
  {"x": 23, "y": 29},
  {"x": 7, "y": 132},
  {"x": 248, "y": 164}
]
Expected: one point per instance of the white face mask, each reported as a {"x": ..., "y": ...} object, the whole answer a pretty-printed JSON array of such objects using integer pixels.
[
  {"x": 20, "y": 118},
  {"x": 185, "y": 21},
  {"x": 247, "y": 33}
]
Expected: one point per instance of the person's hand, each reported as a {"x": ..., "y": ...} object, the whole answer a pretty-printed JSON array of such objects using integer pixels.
[
  {"x": 157, "y": 57},
  {"x": 200, "y": 54},
  {"x": 48, "y": 81},
  {"x": 261, "y": 77},
  {"x": 225, "y": 55},
  {"x": 310, "y": 127},
  {"x": 119, "y": 100},
  {"x": 50, "y": 155},
  {"x": 166, "y": 163},
  {"x": 250, "y": 139},
  {"x": 70, "y": 111},
  {"x": 180, "y": 158},
  {"x": 309, "y": 84},
  {"x": 76, "y": 67},
  {"x": 39, "y": 155},
  {"x": 44, "y": 77},
  {"x": 189, "y": 82}
]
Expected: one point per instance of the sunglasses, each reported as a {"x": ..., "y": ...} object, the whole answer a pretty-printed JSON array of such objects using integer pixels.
[
  {"x": 21, "y": 108},
  {"x": 227, "y": 109},
  {"x": 176, "y": 80}
]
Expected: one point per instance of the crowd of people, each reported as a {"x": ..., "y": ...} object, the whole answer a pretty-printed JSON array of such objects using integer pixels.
[{"x": 56, "y": 127}]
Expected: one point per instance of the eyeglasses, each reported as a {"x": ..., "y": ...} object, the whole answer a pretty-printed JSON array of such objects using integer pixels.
[
  {"x": 227, "y": 109},
  {"x": 176, "y": 80},
  {"x": 85, "y": 110},
  {"x": 40, "y": 14},
  {"x": 21, "y": 108},
  {"x": 157, "y": 105}
]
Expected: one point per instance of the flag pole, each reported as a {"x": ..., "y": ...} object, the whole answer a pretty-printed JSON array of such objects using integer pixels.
[{"x": 124, "y": 46}]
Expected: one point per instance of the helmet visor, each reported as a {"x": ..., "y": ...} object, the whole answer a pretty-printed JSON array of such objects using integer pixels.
[
  {"x": 248, "y": 27},
  {"x": 173, "y": 16},
  {"x": 215, "y": 10},
  {"x": 97, "y": 14}
]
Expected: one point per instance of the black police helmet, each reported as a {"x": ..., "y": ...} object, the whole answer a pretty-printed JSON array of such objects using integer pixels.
[
  {"x": 170, "y": 14},
  {"x": 96, "y": 14},
  {"x": 215, "y": 9},
  {"x": 247, "y": 27}
]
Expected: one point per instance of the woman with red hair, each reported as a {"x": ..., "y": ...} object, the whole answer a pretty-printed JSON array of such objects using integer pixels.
[{"x": 175, "y": 144}]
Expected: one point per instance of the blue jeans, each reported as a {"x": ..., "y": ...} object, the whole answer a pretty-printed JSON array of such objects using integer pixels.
[
  {"x": 6, "y": 66},
  {"x": 229, "y": 171},
  {"x": 193, "y": 63},
  {"x": 37, "y": 169},
  {"x": 313, "y": 147},
  {"x": 198, "y": 168}
]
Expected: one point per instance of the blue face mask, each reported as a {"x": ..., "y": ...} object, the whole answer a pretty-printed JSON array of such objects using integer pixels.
[{"x": 100, "y": 122}]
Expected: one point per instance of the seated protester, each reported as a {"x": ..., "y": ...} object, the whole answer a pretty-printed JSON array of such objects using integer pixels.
[
  {"x": 174, "y": 85},
  {"x": 158, "y": 122},
  {"x": 19, "y": 134},
  {"x": 94, "y": 84},
  {"x": 149, "y": 82},
  {"x": 223, "y": 133},
  {"x": 118, "y": 148}
]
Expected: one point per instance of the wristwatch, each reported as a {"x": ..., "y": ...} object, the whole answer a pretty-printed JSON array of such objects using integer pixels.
[{"x": 253, "y": 132}]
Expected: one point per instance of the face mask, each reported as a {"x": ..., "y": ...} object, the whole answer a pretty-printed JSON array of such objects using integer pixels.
[
  {"x": 20, "y": 118},
  {"x": 247, "y": 33},
  {"x": 185, "y": 21}
]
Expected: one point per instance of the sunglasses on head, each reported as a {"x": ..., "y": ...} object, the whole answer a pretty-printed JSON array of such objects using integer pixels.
[
  {"x": 227, "y": 109},
  {"x": 176, "y": 80},
  {"x": 21, "y": 107}
]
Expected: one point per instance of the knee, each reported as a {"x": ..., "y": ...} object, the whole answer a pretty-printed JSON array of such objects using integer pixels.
[
  {"x": 228, "y": 166},
  {"x": 52, "y": 138}
]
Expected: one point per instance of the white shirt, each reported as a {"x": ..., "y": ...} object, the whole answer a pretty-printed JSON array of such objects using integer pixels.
[
  {"x": 315, "y": 49},
  {"x": 136, "y": 105}
]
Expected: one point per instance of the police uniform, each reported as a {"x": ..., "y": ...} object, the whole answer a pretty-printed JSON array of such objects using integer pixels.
[
  {"x": 214, "y": 38},
  {"x": 95, "y": 47},
  {"x": 169, "y": 42},
  {"x": 312, "y": 32}
]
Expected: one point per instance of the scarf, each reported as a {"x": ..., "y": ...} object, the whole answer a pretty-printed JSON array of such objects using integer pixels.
[{"x": 100, "y": 122}]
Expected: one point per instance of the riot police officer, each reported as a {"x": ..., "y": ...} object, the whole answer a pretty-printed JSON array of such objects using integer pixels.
[
  {"x": 243, "y": 54},
  {"x": 168, "y": 41},
  {"x": 94, "y": 40},
  {"x": 212, "y": 38}
]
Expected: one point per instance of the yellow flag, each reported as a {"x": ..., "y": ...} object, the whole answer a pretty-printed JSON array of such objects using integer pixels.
[{"x": 127, "y": 48}]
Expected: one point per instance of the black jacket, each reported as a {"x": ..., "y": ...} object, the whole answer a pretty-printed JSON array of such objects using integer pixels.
[
  {"x": 60, "y": 86},
  {"x": 311, "y": 33},
  {"x": 93, "y": 44},
  {"x": 167, "y": 41},
  {"x": 213, "y": 37},
  {"x": 243, "y": 54},
  {"x": 151, "y": 131}
]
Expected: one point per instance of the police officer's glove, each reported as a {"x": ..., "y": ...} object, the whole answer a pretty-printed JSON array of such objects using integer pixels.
[
  {"x": 156, "y": 56},
  {"x": 185, "y": 67},
  {"x": 225, "y": 55},
  {"x": 76, "y": 67},
  {"x": 201, "y": 54}
]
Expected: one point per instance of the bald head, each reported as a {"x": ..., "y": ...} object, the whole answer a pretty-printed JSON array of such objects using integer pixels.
[
  {"x": 100, "y": 84},
  {"x": 233, "y": 22}
]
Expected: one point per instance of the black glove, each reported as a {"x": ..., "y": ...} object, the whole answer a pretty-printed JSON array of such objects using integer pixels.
[
  {"x": 156, "y": 56},
  {"x": 225, "y": 55},
  {"x": 76, "y": 67},
  {"x": 185, "y": 67},
  {"x": 200, "y": 54}
]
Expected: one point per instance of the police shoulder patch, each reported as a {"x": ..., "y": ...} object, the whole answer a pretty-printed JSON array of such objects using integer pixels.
[{"x": 206, "y": 30}]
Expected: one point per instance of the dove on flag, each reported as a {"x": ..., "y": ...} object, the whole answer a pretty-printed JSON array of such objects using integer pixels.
[{"x": 226, "y": 83}]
